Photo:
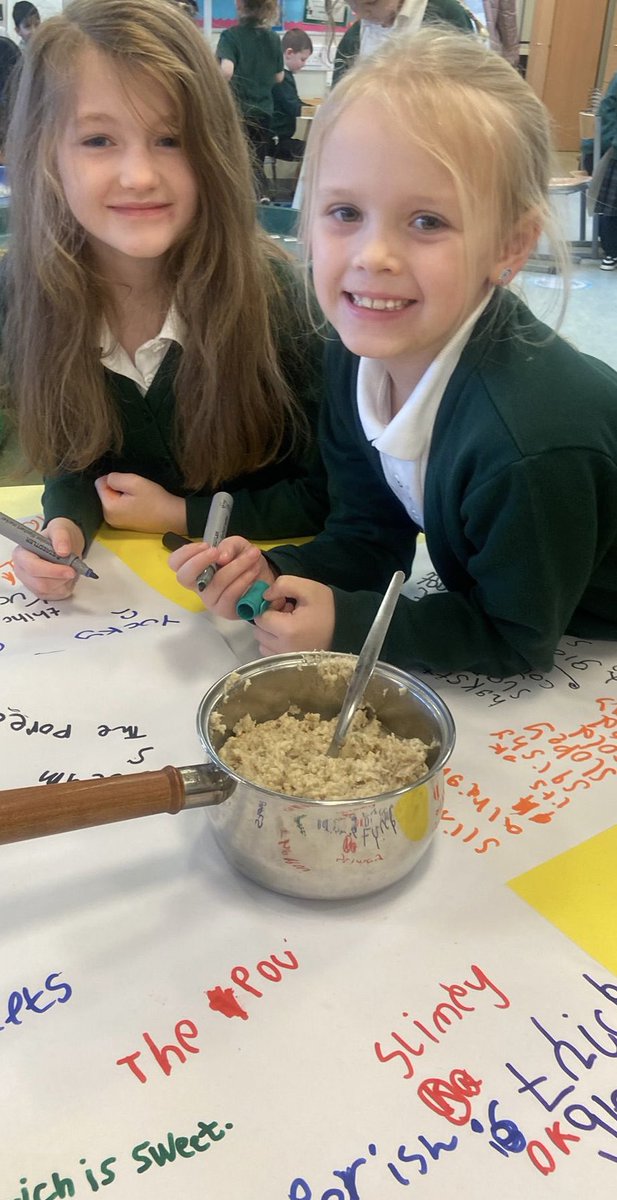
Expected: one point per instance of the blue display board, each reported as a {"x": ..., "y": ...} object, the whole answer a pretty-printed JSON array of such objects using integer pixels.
[{"x": 303, "y": 13}]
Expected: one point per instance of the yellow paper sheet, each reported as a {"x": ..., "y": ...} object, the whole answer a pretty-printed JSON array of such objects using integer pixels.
[
  {"x": 144, "y": 553},
  {"x": 577, "y": 892}
]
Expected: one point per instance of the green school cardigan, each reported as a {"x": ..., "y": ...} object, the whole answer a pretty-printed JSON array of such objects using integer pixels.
[
  {"x": 520, "y": 506},
  {"x": 285, "y": 498}
]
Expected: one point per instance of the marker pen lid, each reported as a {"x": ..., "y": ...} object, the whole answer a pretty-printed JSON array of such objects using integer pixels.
[{"x": 252, "y": 603}]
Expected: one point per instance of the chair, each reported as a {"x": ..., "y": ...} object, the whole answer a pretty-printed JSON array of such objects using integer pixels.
[
  {"x": 277, "y": 221},
  {"x": 589, "y": 128},
  {"x": 276, "y": 154},
  {"x": 569, "y": 185},
  {"x": 281, "y": 224},
  {"x": 577, "y": 183},
  {"x": 283, "y": 187}
]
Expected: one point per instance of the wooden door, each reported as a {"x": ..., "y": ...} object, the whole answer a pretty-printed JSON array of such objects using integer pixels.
[
  {"x": 611, "y": 58},
  {"x": 564, "y": 58},
  {"x": 540, "y": 44}
]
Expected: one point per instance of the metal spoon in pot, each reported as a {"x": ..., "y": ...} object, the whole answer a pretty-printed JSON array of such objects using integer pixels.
[{"x": 366, "y": 664}]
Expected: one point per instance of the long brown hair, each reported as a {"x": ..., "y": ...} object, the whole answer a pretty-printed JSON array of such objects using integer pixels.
[{"x": 232, "y": 403}]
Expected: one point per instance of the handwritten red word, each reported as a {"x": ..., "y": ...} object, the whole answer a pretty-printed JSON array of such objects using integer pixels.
[
  {"x": 450, "y": 1098},
  {"x": 221, "y": 1000},
  {"x": 224, "y": 1000},
  {"x": 444, "y": 1095},
  {"x": 441, "y": 1018},
  {"x": 185, "y": 1032}
]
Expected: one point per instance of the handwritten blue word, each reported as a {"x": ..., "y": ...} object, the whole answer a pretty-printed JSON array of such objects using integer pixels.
[
  {"x": 14, "y": 596},
  {"x": 130, "y": 617},
  {"x": 23, "y": 1000},
  {"x": 572, "y": 1056},
  {"x": 504, "y": 1136}
]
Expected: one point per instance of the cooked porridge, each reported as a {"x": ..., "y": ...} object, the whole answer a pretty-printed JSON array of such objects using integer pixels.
[{"x": 288, "y": 755}]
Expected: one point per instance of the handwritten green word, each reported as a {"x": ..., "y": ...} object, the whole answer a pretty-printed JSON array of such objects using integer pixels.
[{"x": 183, "y": 1147}]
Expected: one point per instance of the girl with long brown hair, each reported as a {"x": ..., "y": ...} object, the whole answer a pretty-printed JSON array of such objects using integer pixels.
[{"x": 156, "y": 345}]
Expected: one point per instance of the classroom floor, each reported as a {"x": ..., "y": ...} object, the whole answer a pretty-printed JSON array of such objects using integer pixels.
[{"x": 589, "y": 322}]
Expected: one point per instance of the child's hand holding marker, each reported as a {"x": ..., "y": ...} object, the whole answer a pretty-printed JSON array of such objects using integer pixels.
[
  {"x": 222, "y": 570},
  {"x": 238, "y": 564},
  {"x": 198, "y": 563},
  {"x": 300, "y": 612},
  {"x": 53, "y": 581},
  {"x": 300, "y": 616},
  {"x": 216, "y": 528}
]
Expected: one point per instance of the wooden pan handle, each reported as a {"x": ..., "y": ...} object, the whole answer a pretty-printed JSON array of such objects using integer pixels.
[{"x": 33, "y": 812}]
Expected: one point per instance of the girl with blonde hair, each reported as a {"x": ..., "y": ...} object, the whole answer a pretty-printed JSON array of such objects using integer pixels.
[
  {"x": 451, "y": 408},
  {"x": 156, "y": 345}
]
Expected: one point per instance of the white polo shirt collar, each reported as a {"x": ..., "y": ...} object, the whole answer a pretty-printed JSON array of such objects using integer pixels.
[
  {"x": 148, "y": 357},
  {"x": 403, "y": 441}
]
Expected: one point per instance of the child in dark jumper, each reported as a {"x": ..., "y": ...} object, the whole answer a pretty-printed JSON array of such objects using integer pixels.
[
  {"x": 297, "y": 48},
  {"x": 451, "y": 408},
  {"x": 156, "y": 346},
  {"x": 251, "y": 60}
]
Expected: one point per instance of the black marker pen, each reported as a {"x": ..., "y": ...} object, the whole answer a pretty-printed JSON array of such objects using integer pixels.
[
  {"x": 216, "y": 528},
  {"x": 41, "y": 546}
]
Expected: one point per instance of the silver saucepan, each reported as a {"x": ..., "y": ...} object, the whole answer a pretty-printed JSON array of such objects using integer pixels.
[{"x": 317, "y": 849}]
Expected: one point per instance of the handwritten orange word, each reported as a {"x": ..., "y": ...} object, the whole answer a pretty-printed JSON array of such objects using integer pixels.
[
  {"x": 562, "y": 761},
  {"x": 482, "y": 804}
]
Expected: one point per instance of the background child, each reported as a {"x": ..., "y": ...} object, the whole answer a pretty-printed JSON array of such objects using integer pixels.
[
  {"x": 297, "y": 48},
  {"x": 606, "y": 191},
  {"x": 450, "y": 407},
  {"x": 251, "y": 59},
  {"x": 190, "y": 7},
  {"x": 502, "y": 18},
  {"x": 26, "y": 18},
  {"x": 377, "y": 19},
  {"x": 155, "y": 343},
  {"x": 9, "y": 56}
]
